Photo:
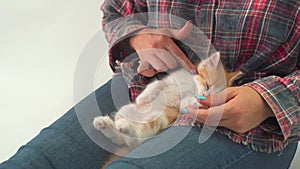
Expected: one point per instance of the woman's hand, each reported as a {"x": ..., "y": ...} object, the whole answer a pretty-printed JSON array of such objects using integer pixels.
[
  {"x": 237, "y": 108},
  {"x": 157, "y": 50}
]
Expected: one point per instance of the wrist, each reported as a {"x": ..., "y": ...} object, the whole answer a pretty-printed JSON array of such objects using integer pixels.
[{"x": 265, "y": 108}]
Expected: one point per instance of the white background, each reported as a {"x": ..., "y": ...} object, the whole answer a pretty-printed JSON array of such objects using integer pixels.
[{"x": 40, "y": 42}]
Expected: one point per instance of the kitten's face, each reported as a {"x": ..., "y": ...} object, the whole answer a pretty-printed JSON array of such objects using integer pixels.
[
  {"x": 211, "y": 75},
  {"x": 203, "y": 79}
]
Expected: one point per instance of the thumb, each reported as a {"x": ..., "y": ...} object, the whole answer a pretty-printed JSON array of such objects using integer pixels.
[
  {"x": 182, "y": 33},
  {"x": 145, "y": 70}
]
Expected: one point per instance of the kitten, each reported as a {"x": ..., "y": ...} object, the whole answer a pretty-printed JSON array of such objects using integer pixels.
[{"x": 160, "y": 104}]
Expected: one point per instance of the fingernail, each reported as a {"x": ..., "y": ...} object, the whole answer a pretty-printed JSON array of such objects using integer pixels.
[
  {"x": 185, "y": 110},
  {"x": 212, "y": 92},
  {"x": 201, "y": 97},
  {"x": 193, "y": 72}
]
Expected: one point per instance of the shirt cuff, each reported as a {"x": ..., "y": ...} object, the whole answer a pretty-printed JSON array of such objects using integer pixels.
[{"x": 281, "y": 101}]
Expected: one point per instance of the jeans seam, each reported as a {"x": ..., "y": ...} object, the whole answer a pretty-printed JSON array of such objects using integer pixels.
[{"x": 242, "y": 157}]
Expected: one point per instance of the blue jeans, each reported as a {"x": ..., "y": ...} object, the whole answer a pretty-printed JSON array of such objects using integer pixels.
[{"x": 66, "y": 145}]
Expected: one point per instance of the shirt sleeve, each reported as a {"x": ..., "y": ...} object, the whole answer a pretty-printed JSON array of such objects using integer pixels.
[
  {"x": 281, "y": 90},
  {"x": 282, "y": 94},
  {"x": 120, "y": 19}
]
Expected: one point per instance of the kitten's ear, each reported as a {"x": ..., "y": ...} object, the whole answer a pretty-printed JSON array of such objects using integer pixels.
[{"x": 214, "y": 60}]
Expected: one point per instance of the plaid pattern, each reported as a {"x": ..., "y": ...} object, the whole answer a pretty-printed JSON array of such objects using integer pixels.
[{"x": 258, "y": 37}]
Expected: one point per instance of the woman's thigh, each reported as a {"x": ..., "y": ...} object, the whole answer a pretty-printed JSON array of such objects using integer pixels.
[
  {"x": 217, "y": 152},
  {"x": 68, "y": 143}
]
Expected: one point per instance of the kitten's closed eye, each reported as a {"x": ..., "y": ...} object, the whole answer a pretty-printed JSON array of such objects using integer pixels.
[{"x": 135, "y": 123}]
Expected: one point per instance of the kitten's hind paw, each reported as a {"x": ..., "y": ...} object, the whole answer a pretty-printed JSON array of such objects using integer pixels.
[
  {"x": 103, "y": 122},
  {"x": 125, "y": 127},
  {"x": 107, "y": 127}
]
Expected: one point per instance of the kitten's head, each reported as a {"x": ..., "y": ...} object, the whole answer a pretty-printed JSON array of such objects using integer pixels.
[{"x": 211, "y": 75}]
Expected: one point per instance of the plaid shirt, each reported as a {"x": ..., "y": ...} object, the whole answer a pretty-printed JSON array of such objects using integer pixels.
[{"x": 260, "y": 38}]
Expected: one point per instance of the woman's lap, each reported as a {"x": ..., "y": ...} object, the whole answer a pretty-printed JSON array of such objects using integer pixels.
[
  {"x": 70, "y": 143},
  {"x": 66, "y": 142},
  {"x": 217, "y": 152}
]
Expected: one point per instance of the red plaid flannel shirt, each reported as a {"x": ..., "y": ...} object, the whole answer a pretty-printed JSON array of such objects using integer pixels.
[{"x": 260, "y": 38}]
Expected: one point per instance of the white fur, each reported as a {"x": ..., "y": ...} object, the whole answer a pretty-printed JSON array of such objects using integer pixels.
[
  {"x": 108, "y": 128},
  {"x": 177, "y": 89}
]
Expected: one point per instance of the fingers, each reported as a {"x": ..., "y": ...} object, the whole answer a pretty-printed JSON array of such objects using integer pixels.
[
  {"x": 215, "y": 116},
  {"x": 218, "y": 99},
  {"x": 166, "y": 58},
  {"x": 180, "y": 56},
  {"x": 182, "y": 33},
  {"x": 145, "y": 70},
  {"x": 157, "y": 48},
  {"x": 218, "y": 113},
  {"x": 149, "y": 56},
  {"x": 155, "y": 60},
  {"x": 240, "y": 112},
  {"x": 179, "y": 34}
]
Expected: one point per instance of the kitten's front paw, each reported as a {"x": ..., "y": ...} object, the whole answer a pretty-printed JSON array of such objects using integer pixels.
[
  {"x": 103, "y": 122},
  {"x": 190, "y": 101}
]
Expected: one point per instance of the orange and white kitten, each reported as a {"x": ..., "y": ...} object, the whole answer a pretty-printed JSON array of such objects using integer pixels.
[{"x": 159, "y": 105}]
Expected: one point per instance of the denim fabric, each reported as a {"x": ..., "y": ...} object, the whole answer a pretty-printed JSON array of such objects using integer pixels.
[
  {"x": 218, "y": 152},
  {"x": 64, "y": 144},
  {"x": 67, "y": 145}
]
